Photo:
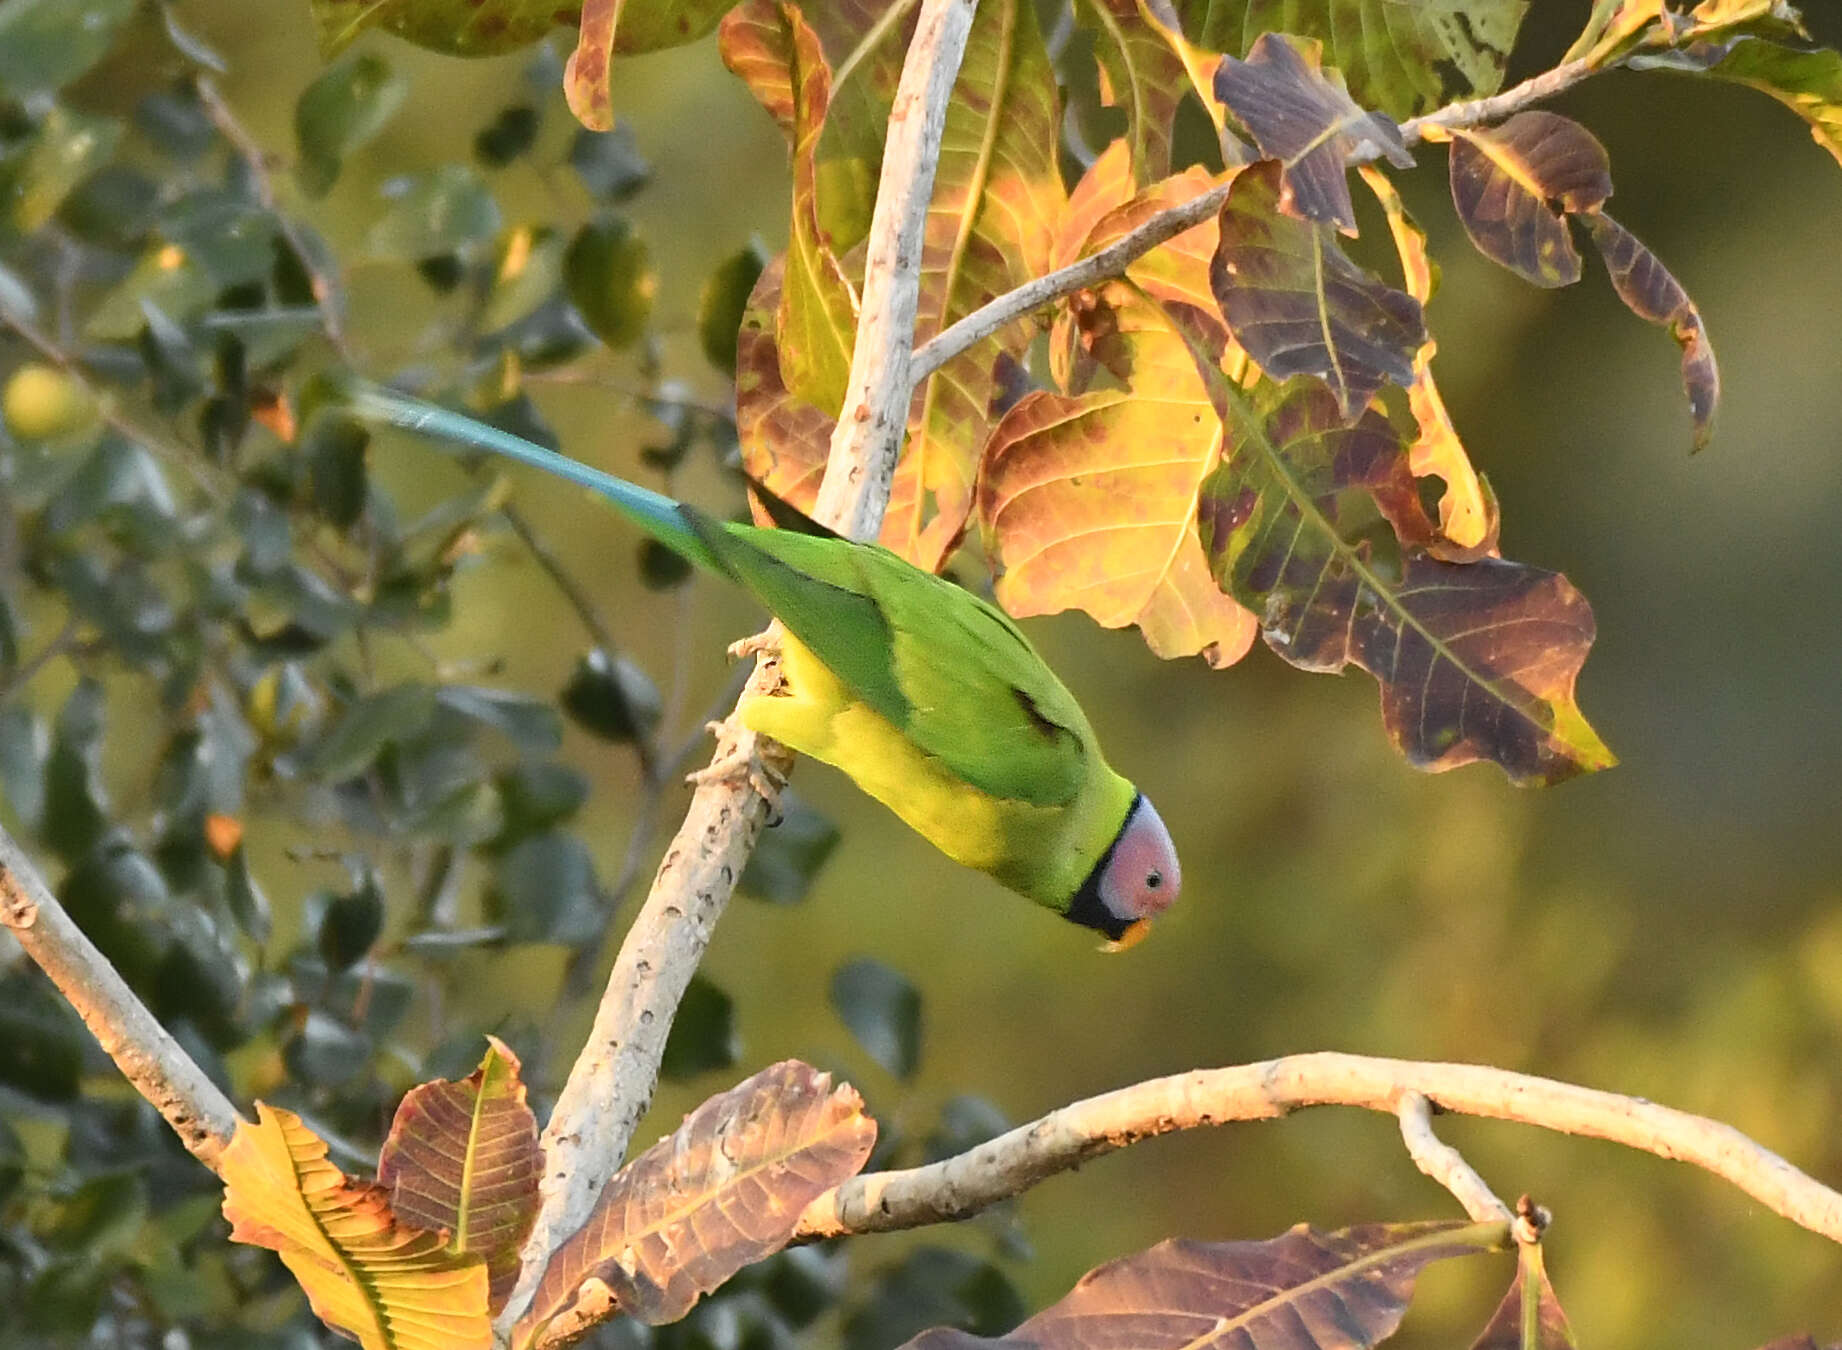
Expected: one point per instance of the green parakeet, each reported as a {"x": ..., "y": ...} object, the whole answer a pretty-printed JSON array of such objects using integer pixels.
[{"x": 932, "y": 700}]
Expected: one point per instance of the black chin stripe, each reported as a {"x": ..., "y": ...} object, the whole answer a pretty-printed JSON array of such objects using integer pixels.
[{"x": 1087, "y": 908}]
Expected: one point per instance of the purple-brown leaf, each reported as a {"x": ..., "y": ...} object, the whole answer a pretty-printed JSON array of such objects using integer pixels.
[
  {"x": 722, "y": 1192},
  {"x": 1299, "y": 306},
  {"x": 1515, "y": 184},
  {"x": 1530, "y": 1316},
  {"x": 1303, "y": 1290},
  {"x": 1653, "y": 293},
  {"x": 462, "y": 1158},
  {"x": 1301, "y": 115}
]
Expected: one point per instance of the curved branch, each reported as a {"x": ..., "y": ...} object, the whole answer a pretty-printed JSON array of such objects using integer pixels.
[
  {"x": 142, "y": 1049},
  {"x": 1113, "y": 260},
  {"x": 1013, "y": 1162},
  {"x": 1443, "y": 1163},
  {"x": 611, "y": 1083}
]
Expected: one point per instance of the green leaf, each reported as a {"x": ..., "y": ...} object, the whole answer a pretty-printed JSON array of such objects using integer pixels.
[
  {"x": 367, "y": 725},
  {"x": 724, "y": 301},
  {"x": 334, "y": 449},
  {"x": 324, "y": 1052},
  {"x": 1297, "y": 304},
  {"x": 348, "y": 105},
  {"x": 508, "y": 136},
  {"x": 1808, "y": 81},
  {"x": 544, "y": 890},
  {"x": 350, "y": 925},
  {"x": 45, "y": 44},
  {"x": 882, "y": 1010},
  {"x": 447, "y": 210},
  {"x": 934, "y": 1287},
  {"x": 65, "y": 148},
  {"x": 703, "y": 1035},
  {"x": 1142, "y": 75},
  {"x": 1317, "y": 527},
  {"x": 76, "y": 807},
  {"x": 614, "y": 700},
  {"x": 609, "y": 163},
  {"x": 528, "y": 723},
  {"x": 452, "y": 27},
  {"x": 608, "y": 271},
  {"x": 787, "y": 857},
  {"x": 526, "y": 273},
  {"x": 534, "y": 797},
  {"x": 42, "y": 1041},
  {"x": 23, "y": 747},
  {"x": 249, "y": 904},
  {"x": 1402, "y": 59}
]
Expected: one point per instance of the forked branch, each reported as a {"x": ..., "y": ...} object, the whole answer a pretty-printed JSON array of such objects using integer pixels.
[{"x": 1012, "y": 1163}]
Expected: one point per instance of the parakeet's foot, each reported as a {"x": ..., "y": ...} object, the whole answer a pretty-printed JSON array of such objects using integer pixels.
[
  {"x": 766, "y": 641},
  {"x": 740, "y": 761}
]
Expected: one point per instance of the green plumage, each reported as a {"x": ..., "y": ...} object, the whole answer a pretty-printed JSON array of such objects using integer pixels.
[{"x": 930, "y": 698}]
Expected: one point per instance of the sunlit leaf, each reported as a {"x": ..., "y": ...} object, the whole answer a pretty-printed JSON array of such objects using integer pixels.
[
  {"x": 1612, "y": 28},
  {"x": 346, "y": 106},
  {"x": 778, "y": 55},
  {"x": 387, "y": 1285},
  {"x": 1401, "y": 58},
  {"x": 456, "y": 27},
  {"x": 610, "y": 26},
  {"x": 45, "y": 44},
  {"x": 1299, "y": 306},
  {"x": 725, "y": 1190},
  {"x": 1316, "y": 526},
  {"x": 608, "y": 270},
  {"x": 882, "y": 1009},
  {"x": 1807, "y": 81},
  {"x": 784, "y": 439},
  {"x": 1653, "y": 293},
  {"x": 1515, "y": 184},
  {"x": 1467, "y": 512},
  {"x": 1304, "y": 1290},
  {"x": 462, "y": 1158},
  {"x": 1301, "y": 115},
  {"x": 1141, "y": 75},
  {"x": 1530, "y": 1316}
]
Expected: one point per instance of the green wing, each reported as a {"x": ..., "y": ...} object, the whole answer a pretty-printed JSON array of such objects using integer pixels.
[{"x": 953, "y": 673}]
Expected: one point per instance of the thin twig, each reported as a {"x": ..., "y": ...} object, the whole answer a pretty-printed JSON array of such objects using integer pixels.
[
  {"x": 327, "y": 293},
  {"x": 1013, "y": 1162},
  {"x": 611, "y": 1083},
  {"x": 1443, "y": 1163},
  {"x": 1113, "y": 260},
  {"x": 145, "y": 1051}
]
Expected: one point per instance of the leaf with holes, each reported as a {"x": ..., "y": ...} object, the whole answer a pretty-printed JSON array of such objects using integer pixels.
[
  {"x": 1530, "y": 1316},
  {"x": 1299, "y": 306},
  {"x": 1404, "y": 59},
  {"x": 366, "y": 1273},
  {"x": 1468, "y": 519},
  {"x": 1303, "y": 1290},
  {"x": 1808, "y": 81},
  {"x": 1089, "y": 499},
  {"x": 1653, "y": 293},
  {"x": 1301, "y": 115},
  {"x": 1141, "y": 74},
  {"x": 1514, "y": 186},
  {"x": 1317, "y": 527},
  {"x": 462, "y": 1158},
  {"x": 724, "y": 1191}
]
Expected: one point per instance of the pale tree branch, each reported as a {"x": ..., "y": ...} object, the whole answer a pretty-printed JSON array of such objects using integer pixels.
[
  {"x": 1013, "y": 1162},
  {"x": 610, "y": 1085},
  {"x": 1443, "y": 1163},
  {"x": 1113, "y": 260},
  {"x": 142, "y": 1049}
]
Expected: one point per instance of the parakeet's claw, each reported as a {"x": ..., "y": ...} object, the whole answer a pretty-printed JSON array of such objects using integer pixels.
[
  {"x": 740, "y": 761},
  {"x": 765, "y": 641}
]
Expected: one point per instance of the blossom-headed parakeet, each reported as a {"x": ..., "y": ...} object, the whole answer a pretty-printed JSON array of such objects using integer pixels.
[{"x": 931, "y": 699}]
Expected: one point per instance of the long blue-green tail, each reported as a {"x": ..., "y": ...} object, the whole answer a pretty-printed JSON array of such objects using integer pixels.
[{"x": 667, "y": 521}]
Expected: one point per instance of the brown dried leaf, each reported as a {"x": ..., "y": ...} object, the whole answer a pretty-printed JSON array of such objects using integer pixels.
[
  {"x": 1299, "y": 306},
  {"x": 1653, "y": 293},
  {"x": 1530, "y": 1316},
  {"x": 610, "y": 26},
  {"x": 1303, "y": 1290},
  {"x": 1316, "y": 526},
  {"x": 463, "y": 1158},
  {"x": 724, "y": 1191},
  {"x": 784, "y": 439},
  {"x": 387, "y": 1285},
  {"x": 1301, "y": 115},
  {"x": 1515, "y": 184}
]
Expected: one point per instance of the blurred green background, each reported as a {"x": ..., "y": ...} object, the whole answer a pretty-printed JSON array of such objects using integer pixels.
[{"x": 1672, "y": 928}]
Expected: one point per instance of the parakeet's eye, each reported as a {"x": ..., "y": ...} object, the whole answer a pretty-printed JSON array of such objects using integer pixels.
[{"x": 1153, "y": 879}]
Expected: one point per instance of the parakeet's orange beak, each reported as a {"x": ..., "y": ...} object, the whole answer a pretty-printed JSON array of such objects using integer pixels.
[{"x": 1129, "y": 939}]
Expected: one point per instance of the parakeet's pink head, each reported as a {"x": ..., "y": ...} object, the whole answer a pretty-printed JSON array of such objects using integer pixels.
[{"x": 1137, "y": 879}]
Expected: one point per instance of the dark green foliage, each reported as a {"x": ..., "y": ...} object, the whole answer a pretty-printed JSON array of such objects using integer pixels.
[
  {"x": 882, "y": 1008},
  {"x": 703, "y": 1035}
]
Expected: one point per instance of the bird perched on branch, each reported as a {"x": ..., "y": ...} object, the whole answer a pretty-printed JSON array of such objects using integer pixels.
[{"x": 929, "y": 698}]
